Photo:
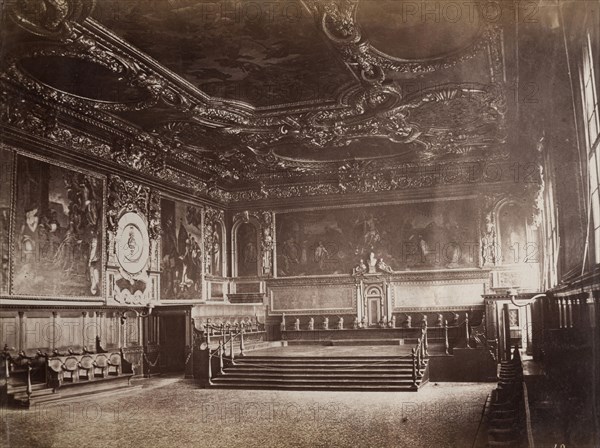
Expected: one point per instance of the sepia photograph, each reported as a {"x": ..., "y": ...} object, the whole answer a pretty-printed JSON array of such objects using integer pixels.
[{"x": 300, "y": 223}]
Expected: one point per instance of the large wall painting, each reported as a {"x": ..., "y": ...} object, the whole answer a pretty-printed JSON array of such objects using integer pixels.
[
  {"x": 181, "y": 266},
  {"x": 6, "y": 171},
  {"x": 58, "y": 231},
  {"x": 427, "y": 235}
]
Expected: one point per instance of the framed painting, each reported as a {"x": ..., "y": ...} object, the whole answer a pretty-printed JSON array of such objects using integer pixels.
[
  {"x": 426, "y": 235},
  {"x": 59, "y": 230},
  {"x": 181, "y": 264}
]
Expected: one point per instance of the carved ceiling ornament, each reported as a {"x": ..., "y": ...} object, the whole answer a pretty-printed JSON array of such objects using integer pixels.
[
  {"x": 50, "y": 18},
  {"x": 453, "y": 119},
  {"x": 355, "y": 177},
  {"x": 474, "y": 117},
  {"x": 371, "y": 111},
  {"x": 85, "y": 47},
  {"x": 337, "y": 19}
]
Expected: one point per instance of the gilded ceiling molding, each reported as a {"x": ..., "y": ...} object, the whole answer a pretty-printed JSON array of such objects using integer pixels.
[
  {"x": 448, "y": 120},
  {"x": 337, "y": 20},
  {"x": 87, "y": 48},
  {"x": 475, "y": 116},
  {"x": 355, "y": 177},
  {"x": 364, "y": 178},
  {"x": 41, "y": 121},
  {"x": 53, "y": 19}
]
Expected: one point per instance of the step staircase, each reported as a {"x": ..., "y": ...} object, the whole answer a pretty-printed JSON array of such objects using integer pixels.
[
  {"x": 508, "y": 420},
  {"x": 364, "y": 373},
  {"x": 42, "y": 394}
]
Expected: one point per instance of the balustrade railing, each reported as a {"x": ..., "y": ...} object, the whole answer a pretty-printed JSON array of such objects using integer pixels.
[
  {"x": 227, "y": 337},
  {"x": 419, "y": 353}
]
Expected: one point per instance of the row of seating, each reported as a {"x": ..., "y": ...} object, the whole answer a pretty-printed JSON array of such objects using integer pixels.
[
  {"x": 507, "y": 414},
  {"x": 86, "y": 367}
]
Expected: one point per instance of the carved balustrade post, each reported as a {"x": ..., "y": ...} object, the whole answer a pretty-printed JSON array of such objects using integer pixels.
[
  {"x": 467, "y": 330},
  {"x": 221, "y": 350},
  {"x": 210, "y": 357},
  {"x": 29, "y": 390},
  {"x": 242, "y": 341},
  {"x": 419, "y": 357},
  {"x": 414, "y": 366},
  {"x": 446, "y": 344},
  {"x": 231, "y": 345},
  {"x": 425, "y": 341}
]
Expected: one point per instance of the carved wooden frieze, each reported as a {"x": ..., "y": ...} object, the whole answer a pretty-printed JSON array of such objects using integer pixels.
[{"x": 133, "y": 230}]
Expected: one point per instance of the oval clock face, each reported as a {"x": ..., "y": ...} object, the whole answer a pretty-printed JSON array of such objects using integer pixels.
[{"x": 133, "y": 243}]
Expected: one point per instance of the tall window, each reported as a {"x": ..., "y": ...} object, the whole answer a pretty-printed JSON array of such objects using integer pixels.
[{"x": 591, "y": 116}]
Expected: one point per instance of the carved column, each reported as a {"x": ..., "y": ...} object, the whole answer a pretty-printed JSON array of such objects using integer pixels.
[
  {"x": 83, "y": 325},
  {"x": 591, "y": 308},
  {"x": 22, "y": 341},
  {"x": 55, "y": 318},
  {"x": 570, "y": 309},
  {"x": 560, "y": 312}
]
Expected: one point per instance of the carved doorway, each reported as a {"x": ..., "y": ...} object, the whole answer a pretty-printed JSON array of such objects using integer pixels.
[{"x": 373, "y": 302}]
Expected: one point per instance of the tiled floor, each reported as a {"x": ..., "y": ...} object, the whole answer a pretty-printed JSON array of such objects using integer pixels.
[{"x": 170, "y": 412}]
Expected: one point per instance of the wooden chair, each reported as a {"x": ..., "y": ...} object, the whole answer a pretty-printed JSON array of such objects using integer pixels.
[
  {"x": 70, "y": 369},
  {"x": 55, "y": 372},
  {"x": 101, "y": 366},
  {"x": 114, "y": 364},
  {"x": 86, "y": 367}
]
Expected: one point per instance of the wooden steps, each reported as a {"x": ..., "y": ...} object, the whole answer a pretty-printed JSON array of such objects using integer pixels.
[
  {"x": 359, "y": 373},
  {"x": 42, "y": 394}
]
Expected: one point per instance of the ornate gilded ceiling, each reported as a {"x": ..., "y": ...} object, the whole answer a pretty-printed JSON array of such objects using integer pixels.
[{"x": 247, "y": 95}]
